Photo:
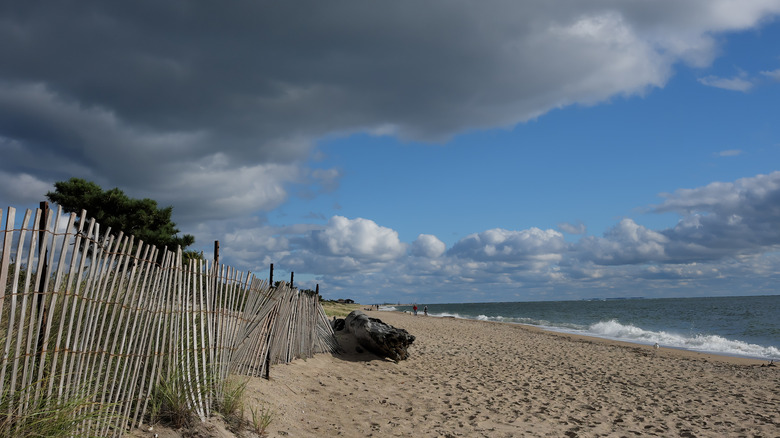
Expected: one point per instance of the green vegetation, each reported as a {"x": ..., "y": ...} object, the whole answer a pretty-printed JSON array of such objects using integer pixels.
[
  {"x": 41, "y": 417},
  {"x": 261, "y": 419},
  {"x": 112, "y": 208},
  {"x": 10, "y": 280},
  {"x": 340, "y": 310},
  {"x": 231, "y": 405},
  {"x": 169, "y": 403}
]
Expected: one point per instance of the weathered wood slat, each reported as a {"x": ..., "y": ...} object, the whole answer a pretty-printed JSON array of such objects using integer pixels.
[
  {"x": 64, "y": 250},
  {"x": 92, "y": 312},
  {"x": 5, "y": 262},
  {"x": 13, "y": 309}
]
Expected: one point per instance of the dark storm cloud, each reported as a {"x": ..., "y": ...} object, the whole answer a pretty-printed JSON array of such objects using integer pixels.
[
  {"x": 215, "y": 107},
  {"x": 145, "y": 83}
]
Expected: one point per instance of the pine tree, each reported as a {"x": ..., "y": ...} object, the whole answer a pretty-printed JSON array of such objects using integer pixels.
[{"x": 112, "y": 208}]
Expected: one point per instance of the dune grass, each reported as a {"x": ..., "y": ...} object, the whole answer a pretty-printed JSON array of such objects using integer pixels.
[
  {"x": 339, "y": 310},
  {"x": 79, "y": 415}
]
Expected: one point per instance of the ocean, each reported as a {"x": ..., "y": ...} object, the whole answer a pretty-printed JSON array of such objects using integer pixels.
[{"x": 733, "y": 326}]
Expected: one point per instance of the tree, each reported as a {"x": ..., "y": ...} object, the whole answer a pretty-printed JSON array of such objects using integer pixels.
[{"x": 112, "y": 208}]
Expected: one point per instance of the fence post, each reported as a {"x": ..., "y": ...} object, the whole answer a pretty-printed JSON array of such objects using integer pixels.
[
  {"x": 268, "y": 361},
  {"x": 271, "y": 276},
  {"x": 44, "y": 272},
  {"x": 292, "y": 274},
  {"x": 215, "y": 286}
]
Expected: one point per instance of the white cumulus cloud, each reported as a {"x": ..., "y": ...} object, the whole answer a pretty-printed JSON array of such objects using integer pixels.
[
  {"x": 625, "y": 243},
  {"x": 511, "y": 246},
  {"x": 356, "y": 238},
  {"x": 427, "y": 245}
]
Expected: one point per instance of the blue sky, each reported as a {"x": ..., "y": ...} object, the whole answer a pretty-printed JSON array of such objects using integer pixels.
[{"x": 434, "y": 153}]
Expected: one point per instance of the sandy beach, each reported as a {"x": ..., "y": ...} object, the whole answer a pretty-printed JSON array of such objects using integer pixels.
[
  {"x": 473, "y": 378},
  {"x": 468, "y": 378}
]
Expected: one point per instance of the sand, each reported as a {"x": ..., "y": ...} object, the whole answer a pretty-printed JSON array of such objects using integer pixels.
[
  {"x": 473, "y": 378},
  {"x": 480, "y": 379}
]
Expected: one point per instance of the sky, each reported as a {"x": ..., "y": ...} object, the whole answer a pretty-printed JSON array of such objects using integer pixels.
[{"x": 429, "y": 152}]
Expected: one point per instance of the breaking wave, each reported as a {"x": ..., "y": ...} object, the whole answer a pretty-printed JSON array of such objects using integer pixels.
[{"x": 613, "y": 329}]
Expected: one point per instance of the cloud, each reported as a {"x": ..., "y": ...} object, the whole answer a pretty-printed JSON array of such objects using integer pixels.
[
  {"x": 774, "y": 74},
  {"x": 23, "y": 187},
  {"x": 733, "y": 84},
  {"x": 717, "y": 221},
  {"x": 359, "y": 239},
  {"x": 578, "y": 228},
  {"x": 178, "y": 167},
  {"x": 730, "y": 153},
  {"x": 726, "y": 230},
  {"x": 726, "y": 237},
  {"x": 217, "y": 109},
  {"x": 725, "y": 219},
  {"x": 756, "y": 195},
  {"x": 511, "y": 246},
  {"x": 141, "y": 95},
  {"x": 427, "y": 245},
  {"x": 625, "y": 243}
]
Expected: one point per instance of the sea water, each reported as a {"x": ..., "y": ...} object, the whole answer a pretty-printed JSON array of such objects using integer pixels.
[{"x": 736, "y": 326}]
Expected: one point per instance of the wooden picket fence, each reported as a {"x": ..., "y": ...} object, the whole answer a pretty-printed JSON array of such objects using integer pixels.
[{"x": 102, "y": 319}]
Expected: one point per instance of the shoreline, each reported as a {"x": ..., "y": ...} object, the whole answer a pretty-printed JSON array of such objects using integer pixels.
[
  {"x": 671, "y": 351},
  {"x": 492, "y": 379},
  {"x": 668, "y": 351},
  {"x": 728, "y": 356}
]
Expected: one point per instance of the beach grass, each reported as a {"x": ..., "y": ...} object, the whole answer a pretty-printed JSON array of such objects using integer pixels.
[
  {"x": 40, "y": 417},
  {"x": 339, "y": 310}
]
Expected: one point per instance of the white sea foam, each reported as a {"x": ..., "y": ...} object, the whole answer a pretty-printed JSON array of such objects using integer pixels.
[
  {"x": 701, "y": 324},
  {"x": 699, "y": 342},
  {"x": 614, "y": 330},
  {"x": 542, "y": 323},
  {"x": 388, "y": 308},
  {"x": 446, "y": 315}
]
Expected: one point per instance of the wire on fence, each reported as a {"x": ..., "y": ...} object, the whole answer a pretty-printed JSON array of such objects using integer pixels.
[{"x": 92, "y": 316}]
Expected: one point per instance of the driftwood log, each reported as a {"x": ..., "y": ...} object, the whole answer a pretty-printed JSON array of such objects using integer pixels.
[{"x": 377, "y": 337}]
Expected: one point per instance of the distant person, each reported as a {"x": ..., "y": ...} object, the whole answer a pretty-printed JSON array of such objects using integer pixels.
[
  {"x": 425, "y": 310},
  {"x": 415, "y": 309}
]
